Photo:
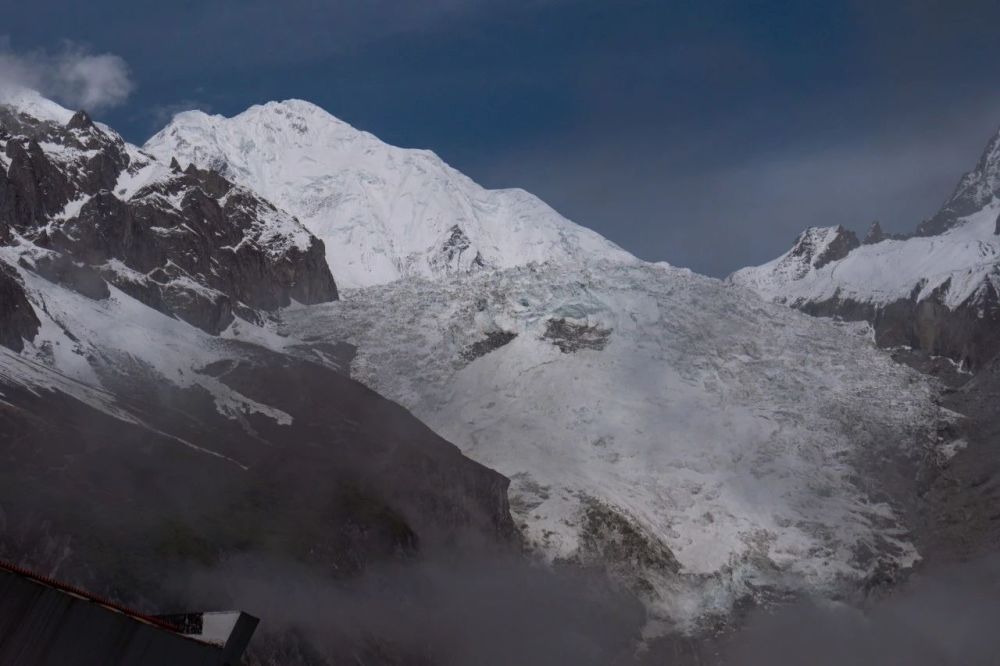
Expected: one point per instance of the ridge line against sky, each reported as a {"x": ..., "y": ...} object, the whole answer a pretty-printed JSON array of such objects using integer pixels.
[{"x": 706, "y": 135}]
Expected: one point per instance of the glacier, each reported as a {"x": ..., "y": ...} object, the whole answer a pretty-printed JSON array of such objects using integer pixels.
[{"x": 709, "y": 447}]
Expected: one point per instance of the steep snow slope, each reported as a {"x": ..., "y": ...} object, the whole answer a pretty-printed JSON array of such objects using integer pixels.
[
  {"x": 383, "y": 212},
  {"x": 937, "y": 290},
  {"x": 701, "y": 443}
]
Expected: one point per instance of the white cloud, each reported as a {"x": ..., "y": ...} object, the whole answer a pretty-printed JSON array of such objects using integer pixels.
[{"x": 71, "y": 75}]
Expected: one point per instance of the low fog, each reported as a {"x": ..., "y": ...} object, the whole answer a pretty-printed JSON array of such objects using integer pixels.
[
  {"x": 944, "y": 617},
  {"x": 491, "y": 611},
  {"x": 498, "y": 611}
]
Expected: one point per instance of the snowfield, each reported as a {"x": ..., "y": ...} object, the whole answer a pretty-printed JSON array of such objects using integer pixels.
[
  {"x": 699, "y": 442},
  {"x": 383, "y": 212}
]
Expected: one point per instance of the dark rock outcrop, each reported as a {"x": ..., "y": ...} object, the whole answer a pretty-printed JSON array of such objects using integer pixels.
[
  {"x": 817, "y": 255},
  {"x": 874, "y": 235},
  {"x": 454, "y": 248},
  {"x": 34, "y": 188},
  {"x": 837, "y": 249},
  {"x": 18, "y": 321},
  {"x": 494, "y": 340},
  {"x": 959, "y": 502},
  {"x": 814, "y": 248},
  {"x": 571, "y": 337},
  {"x": 975, "y": 189},
  {"x": 62, "y": 270}
]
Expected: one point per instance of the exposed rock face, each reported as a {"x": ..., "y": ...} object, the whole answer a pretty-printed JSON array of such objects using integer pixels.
[
  {"x": 454, "y": 255},
  {"x": 187, "y": 243},
  {"x": 966, "y": 334},
  {"x": 18, "y": 321},
  {"x": 820, "y": 249},
  {"x": 494, "y": 340},
  {"x": 62, "y": 269},
  {"x": 874, "y": 235},
  {"x": 570, "y": 337}
]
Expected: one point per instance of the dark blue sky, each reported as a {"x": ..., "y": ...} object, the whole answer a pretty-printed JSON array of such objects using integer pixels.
[{"x": 703, "y": 133}]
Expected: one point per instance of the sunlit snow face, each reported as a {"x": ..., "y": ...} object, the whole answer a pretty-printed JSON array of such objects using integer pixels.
[{"x": 383, "y": 212}]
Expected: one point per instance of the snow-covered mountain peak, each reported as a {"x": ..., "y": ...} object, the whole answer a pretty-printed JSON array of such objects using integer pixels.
[
  {"x": 384, "y": 212},
  {"x": 294, "y": 121}
]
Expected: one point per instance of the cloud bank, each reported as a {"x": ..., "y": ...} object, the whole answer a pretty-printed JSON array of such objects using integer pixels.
[{"x": 72, "y": 75}]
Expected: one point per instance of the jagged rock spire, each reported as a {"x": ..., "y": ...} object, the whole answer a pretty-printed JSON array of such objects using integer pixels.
[{"x": 874, "y": 235}]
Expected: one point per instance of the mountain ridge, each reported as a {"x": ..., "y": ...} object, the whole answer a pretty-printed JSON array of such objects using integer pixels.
[{"x": 936, "y": 290}]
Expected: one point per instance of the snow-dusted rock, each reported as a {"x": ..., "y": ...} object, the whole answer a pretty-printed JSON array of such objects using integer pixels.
[{"x": 85, "y": 206}]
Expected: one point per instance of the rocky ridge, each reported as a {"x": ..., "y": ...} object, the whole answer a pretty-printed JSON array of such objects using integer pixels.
[
  {"x": 85, "y": 208},
  {"x": 937, "y": 290}
]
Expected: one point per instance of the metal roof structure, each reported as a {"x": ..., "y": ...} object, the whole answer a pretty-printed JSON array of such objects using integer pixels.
[{"x": 47, "y": 623}]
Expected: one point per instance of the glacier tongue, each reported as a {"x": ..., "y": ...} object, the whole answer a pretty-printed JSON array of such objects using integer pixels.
[
  {"x": 383, "y": 212},
  {"x": 698, "y": 442}
]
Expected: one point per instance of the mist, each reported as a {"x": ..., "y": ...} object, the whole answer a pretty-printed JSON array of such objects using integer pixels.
[
  {"x": 945, "y": 616},
  {"x": 71, "y": 75},
  {"x": 498, "y": 611},
  {"x": 491, "y": 610}
]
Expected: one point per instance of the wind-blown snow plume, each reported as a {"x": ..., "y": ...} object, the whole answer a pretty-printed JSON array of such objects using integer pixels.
[{"x": 72, "y": 75}]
